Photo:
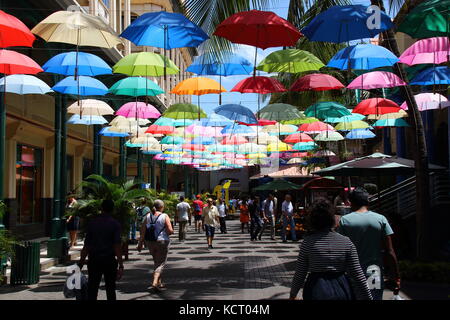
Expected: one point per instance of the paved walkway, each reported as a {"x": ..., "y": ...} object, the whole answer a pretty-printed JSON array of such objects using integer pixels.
[{"x": 235, "y": 269}]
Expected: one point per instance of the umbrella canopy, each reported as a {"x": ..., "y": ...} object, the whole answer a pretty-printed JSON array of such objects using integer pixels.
[
  {"x": 324, "y": 153},
  {"x": 376, "y": 106},
  {"x": 236, "y": 112},
  {"x": 83, "y": 86},
  {"x": 299, "y": 121},
  {"x": 350, "y": 125},
  {"x": 323, "y": 110},
  {"x": 432, "y": 76},
  {"x": 86, "y": 120},
  {"x": 122, "y": 121},
  {"x": 428, "y": 101},
  {"x": 278, "y": 147},
  {"x": 433, "y": 50},
  {"x": 393, "y": 115},
  {"x": 193, "y": 147},
  {"x": 258, "y": 84},
  {"x": 12, "y": 62},
  {"x": 298, "y": 137},
  {"x": 163, "y": 29},
  {"x": 304, "y": 146},
  {"x": 184, "y": 111},
  {"x": 86, "y": 64},
  {"x": 90, "y": 107},
  {"x": 23, "y": 84},
  {"x": 231, "y": 64},
  {"x": 156, "y": 129},
  {"x": 77, "y": 28},
  {"x": 248, "y": 148},
  {"x": 390, "y": 123},
  {"x": 215, "y": 120},
  {"x": 203, "y": 140},
  {"x": 360, "y": 134},
  {"x": 279, "y": 112},
  {"x": 316, "y": 82},
  {"x": 145, "y": 64},
  {"x": 197, "y": 130},
  {"x": 345, "y": 23},
  {"x": 278, "y": 184},
  {"x": 426, "y": 20},
  {"x": 135, "y": 87},
  {"x": 238, "y": 130},
  {"x": 138, "y": 110},
  {"x": 198, "y": 86},
  {"x": 13, "y": 32},
  {"x": 172, "y": 140},
  {"x": 329, "y": 136},
  {"x": 376, "y": 79},
  {"x": 315, "y": 127},
  {"x": 220, "y": 148},
  {"x": 109, "y": 132},
  {"x": 164, "y": 121},
  {"x": 290, "y": 60},
  {"x": 363, "y": 57},
  {"x": 348, "y": 118},
  {"x": 234, "y": 140},
  {"x": 278, "y": 129},
  {"x": 262, "y": 29}
]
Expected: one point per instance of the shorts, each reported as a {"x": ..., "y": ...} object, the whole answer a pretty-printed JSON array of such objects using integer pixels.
[
  {"x": 198, "y": 217},
  {"x": 209, "y": 230}
]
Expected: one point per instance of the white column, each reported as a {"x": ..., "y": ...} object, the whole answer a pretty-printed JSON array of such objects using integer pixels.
[{"x": 127, "y": 22}]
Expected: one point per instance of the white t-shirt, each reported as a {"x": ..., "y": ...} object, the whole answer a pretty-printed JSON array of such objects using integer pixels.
[
  {"x": 221, "y": 208},
  {"x": 183, "y": 211},
  {"x": 287, "y": 208}
]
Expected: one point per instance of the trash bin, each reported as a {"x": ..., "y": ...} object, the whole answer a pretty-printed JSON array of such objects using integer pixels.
[{"x": 25, "y": 266}]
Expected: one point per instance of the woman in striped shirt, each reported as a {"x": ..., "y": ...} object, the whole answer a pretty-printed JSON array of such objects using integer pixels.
[{"x": 327, "y": 260}]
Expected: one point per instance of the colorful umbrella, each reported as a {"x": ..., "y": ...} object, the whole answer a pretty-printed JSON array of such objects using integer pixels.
[
  {"x": 290, "y": 60},
  {"x": 393, "y": 115},
  {"x": 12, "y": 62},
  {"x": 90, "y": 107},
  {"x": 197, "y": 130},
  {"x": 193, "y": 147},
  {"x": 428, "y": 101},
  {"x": 83, "y": 86},
  {"x": 197, "y": 86},
  {"x": 172, "y": 140},
  {"x": 351, "y": 125},
  {"x": 316, "y": 82},
  {"x": 203, "y": 140},
  {"x": 305, "y": 146},
  {"x": 348, "y": 118},
  {"x": 376, "y": 79},
  {"x": 23, "y": 84},
  {"x": 234, "y": 140},
  {"x": 298, "y": 137},
  {"x": 326, "y": 109},
  {"x": 360, "y": 134},
  {"x": 376, "y": 106},
  {"x": 221, "y": 148},
  {"x": 156, "y": 129},
  {"x": 184, "y": 111},
  {"x": 85, "y": 64},
  {"x": 230, "y": 65},
  {"x": 324, "y": 153},
  {"x": 109, "y": 132},
  {"x": 280, "y": 129},
  {"x": 433, "y": 50},
  {"x": 122, "y": 121},
  {"x": 164, "y": 121},
  {"x": 315, "y": 127},
  {"x": 278, "y": 147},
  {"x": 236, "y": 112},
  {"x": 258, "y": 84},
  {"x": 390, "y": 123},
  {"x": 135, "y": 87},
  {"x": 329, "y": 136},
  {"x": 238, "y": 130},
  {"x": 432, "y": 76},
  {"x": 363, "y": 57},
  {"x": 279, "y": 112},
  {"x": 300, "y": 121},
  {"x": 248, "y": 148},
  {"x": 215, "y": 120},
  {"x": 145, "y": 64},
  {"x": 13, "y": 32},
  {"x": 138, "y": 110},
  {"x": 86, "y": 120}
]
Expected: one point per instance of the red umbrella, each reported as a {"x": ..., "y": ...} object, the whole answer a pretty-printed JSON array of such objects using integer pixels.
[
  {"x": 316, "y": 82},
  {"x": 193, "y": 147},
  {"x": 13, "y": 33},
  {"x": 12, "y": 62},
  {"x": 262, "y": 29},
  {"x": 234, "y": 139},
  {"x": 261, "y": 122},
  {"x": 315, "y": 127},
  {"x": 298, "y": 137},
  {"x": 376, "y": 106},
  {"x": 155, "y": 129},
  {"x": 263, "y": 85}
]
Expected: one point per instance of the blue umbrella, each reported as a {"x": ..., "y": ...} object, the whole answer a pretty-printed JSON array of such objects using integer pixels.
[
  {"x": 151, "y": 152},
  {"x": 109, "y": 132},
  {"x": 432, "y": 76},
  {"x": 203, "y": 140},
  {"x": 231, "y": 65},
  {"x": 88, "y": 64},
  {"x": 238, "y": 129},
  {"x": 360, "y": 134},
  {"x": 172, "y": 140},
  {"x": 236, "y": 112},
  {"x": 182, "y": 122},
  {"x": 391, "y": 123},
  {"x": 304, "y": 146},
  {"x": 348, "y": 118},
  {"x": 363, "y": 57},
  {"x": 215, "y": 120},
  {"x": 24, "y": 84},
  {"x": 345, "y": 23},
  {"x": 86, "y": 120},
  {"x": 84, "y": 86},
  {"x": 164, "y": 30}
]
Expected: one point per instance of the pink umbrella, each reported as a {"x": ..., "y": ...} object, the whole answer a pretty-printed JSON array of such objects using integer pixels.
[
  {"x": 428, "y": 101},
  {"x": 315, "y": 127},
  {"x": 193, "y": 147},
  {"x": 139, "y": 110},
  {"x": 316, "y": 82},
  {"x": 158, "y": 157},
  {"x": 234, "y": 139},
  {"x": 204, "y": 131},
  {"x": 432, "y": 50},
  {"x": 376, "y": 79}
]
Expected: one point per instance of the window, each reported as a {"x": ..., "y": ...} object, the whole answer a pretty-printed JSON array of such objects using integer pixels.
[
  {"x": 88, "y": 167},
  {"x": 28, "y": 184}
]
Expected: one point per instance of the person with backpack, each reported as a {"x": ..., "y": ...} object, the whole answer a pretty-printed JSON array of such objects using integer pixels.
[
  {"x": 210, "y": 217},
  {"x": 198, "y": 208},
  {"x": 141, "y": 212},
  {"x": 155, "y": 231}
]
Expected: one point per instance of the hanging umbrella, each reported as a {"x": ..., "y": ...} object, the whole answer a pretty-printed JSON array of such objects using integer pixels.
[
  {"x": 83, "y": 86},
  {"x": 323, "y": 110},
  {"x": 145, "y": 64},
  {"x": 184, "y": 111},
  {"x": 183, "y": 122},
  {"x": 329, "y": 136},
  {"x": 345, "y": 23},
  {"x": 86, "y": 120},
  {"x": 376, "y": 106},
  {"x": 196, "y": 147},
  {"x": 290, "y": 60},
  {"x": 172, "y": 140},
  {"x": 279, "y": 112},
  {"x": 203, "y": 140},
  {"x": 363, "y": 57},
  {"x": 203, "y": 131},
  {"x": 305, "y": 146},
  {"x": 231, "y": 64},
  {"x": 376, "y": 79},
  {"x": 360, "y": 134},
  {"x": 279, "y": 129},
  {"x": 215, "y": 120},
  {"x": 258, "y": 84},
  {"x": 120, "y": 121},
  {"x": 350, "y": 125},
  {"x": 234, "y": 140},
  {"x": 390, "y": 123},
  {"x": 278, "y": 147},
  {"x": 197, "y": 86},
  {"x": 156, "y": 129},
  {"x": 221, "y": 148},
  {"x": 23, "y": 84},
  {"x": 426, "y": 20},
  {"x": 90, "y": 107},
  {"x": 13, "y": 32},
  {"x": 324, "y": 153},
  {"x": 135, "y": 87},
  {"x": 109, "y": 132},
  {"x": 432, "y": 76},
  {"x": 348, "y": 118},
  {"x": 278, "y": 184},
  {"x": 236, "y": 112},
  {"x": 164, "y": 121},
  {"x": 428, "y": 101},
  {"x": 12, "y": 62},
  {"x": 238, "y": 130},
  {"x": 298, "y": 137},
  {"x": 393, "y": 115},
  {"x": 138, "y": 110},
  {"x": 88, "y": 64},
  {"x": 248, "y": 148},
  {"x": 300, "y": 121},
  {"x": 315, "y": 127},
  {"x": 433, "y": 50},
  {"x": 316, "y": 82}
]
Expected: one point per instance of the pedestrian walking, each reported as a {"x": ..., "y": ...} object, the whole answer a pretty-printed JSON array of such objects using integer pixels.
[
  {"x": 371, "y": 234},
  {"x": 210, "y": 217},
  {"x": 141, "y": 211},
  {"x": 198, "y": 208},
  {"x": 103, "y": 247},
  {"x": 73, "y": 222},
  {"x": 222, "y": 215},
  {"x": 255, "y": 218},
  {"x": 244, "y": 216},
  {"x": 328, "y": 260},
  {"x": 268, "y": 216},
  {"x": 183, "y": 211},
  {"x": 155, "y": 231},
  {"x": 287, "y": 216}
]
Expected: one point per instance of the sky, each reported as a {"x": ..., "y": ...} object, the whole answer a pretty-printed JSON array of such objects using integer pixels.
[{"x": 211, "y": 101}]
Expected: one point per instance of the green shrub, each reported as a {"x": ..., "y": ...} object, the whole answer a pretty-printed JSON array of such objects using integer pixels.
[{"x": 425, "y": 271}]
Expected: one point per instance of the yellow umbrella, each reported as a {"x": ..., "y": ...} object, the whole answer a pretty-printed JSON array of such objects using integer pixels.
[
  {"x": 278, "y": 147},
  {"x": 256, "y": 156},
  {"x": 277, "y": 128},
  {"x": 198, "y": 86},
  {"x": 347, "y": 126},
  {"x": 122, "y": 121},
  {"x": 394, "y": 115}
]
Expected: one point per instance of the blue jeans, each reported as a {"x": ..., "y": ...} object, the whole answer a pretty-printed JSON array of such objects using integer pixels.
[
  {"x": 288, "y": 221},
  {"x": 133, "y": 230}
]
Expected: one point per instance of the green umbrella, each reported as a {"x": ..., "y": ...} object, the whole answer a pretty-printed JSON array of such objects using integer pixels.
[
  {"x": 184, "y": 111},
  {"x": 323, "y": 110},
  {"x": 300, "y": 121},
  {"x": 277, "y": 184},
  {"x": 351, "y": 125},
  {"x": 428, "y": 19},
  {"x": 135, "y": 86},
  {"x": 279, "y": 112},
  {"x": 290, "y": 60},
  {"x": 145, "y": 64}
]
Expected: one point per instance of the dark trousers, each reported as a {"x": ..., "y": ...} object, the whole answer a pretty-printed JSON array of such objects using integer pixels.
[
  {"x": 223, "y": 225},
  {"x": 255, "y": 228},
  {"x": 98, "y": 267},
  {"x": 327, "y": 286}
]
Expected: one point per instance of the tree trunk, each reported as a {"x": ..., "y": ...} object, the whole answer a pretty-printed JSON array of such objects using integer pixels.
[{"x": 424, "y": 242}]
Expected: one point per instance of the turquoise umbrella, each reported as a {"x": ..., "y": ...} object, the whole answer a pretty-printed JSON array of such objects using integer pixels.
[
  {"x": 391, "y": 123},
  {"x": 135, "y": 87},
  {"x": 327, "y": 109},
  {"x": 349, "y": 118}
]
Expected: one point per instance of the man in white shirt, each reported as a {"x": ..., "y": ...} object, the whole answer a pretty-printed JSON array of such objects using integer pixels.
[
  {"x": 222, "y": 215},
  {"x": 210, "y": 217},
  {"x": 287, "y": 212},
  {"x": 183, "y": 210}
]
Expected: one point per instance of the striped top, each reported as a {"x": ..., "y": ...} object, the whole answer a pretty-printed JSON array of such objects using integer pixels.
[{"x": 329, "y": 252}]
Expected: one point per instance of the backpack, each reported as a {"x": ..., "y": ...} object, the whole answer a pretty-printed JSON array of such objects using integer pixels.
[
  {"x": 150, "y": 234},
  {"x": 197, "y": 207}
]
